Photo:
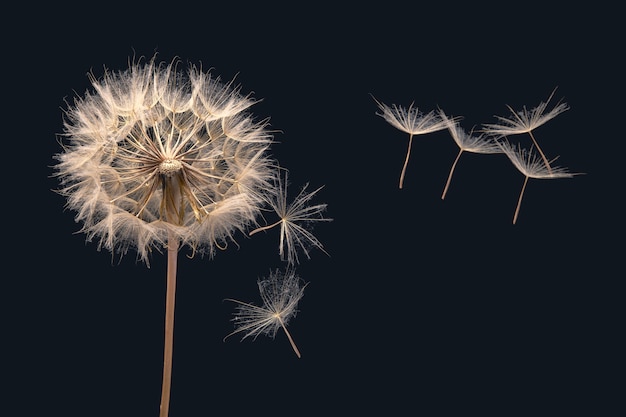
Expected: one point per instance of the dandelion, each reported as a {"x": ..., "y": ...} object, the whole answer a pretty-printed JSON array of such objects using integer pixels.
[
  {"x": 160, "y": 158},
  {"x": 412, "y": 121},
  {"x": 527, "y": 162},
  {"x": 280, "y": 293},
  {"x": 467, "y": 142},
  {"x": 525, "y": 121},
  {"x": 295, "y": 220}
]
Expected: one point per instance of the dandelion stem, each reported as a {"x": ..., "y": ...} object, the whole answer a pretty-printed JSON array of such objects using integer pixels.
[
  {"x": 170, "y": 298},
  {"x": 445, "y": 190},
  {"x": 260, "y": 229},
  {"x": 406, "y": 160},
  {"x": 519, "y": 201},
  {"x": 545, "y": 160},
  {"x": 293, "y": 344}
]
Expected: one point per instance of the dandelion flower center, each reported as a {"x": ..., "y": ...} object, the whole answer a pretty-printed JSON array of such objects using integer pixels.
[{"x": 169, "y": 167}]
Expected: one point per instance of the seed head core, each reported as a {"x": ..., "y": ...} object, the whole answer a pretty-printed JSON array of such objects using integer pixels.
[{"x": 169, "y": 167}]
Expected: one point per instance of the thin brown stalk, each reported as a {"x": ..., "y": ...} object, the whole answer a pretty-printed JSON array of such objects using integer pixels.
[
  {"x": 519, "y": 201},
  {"x": 293, "y": 344},
  {"x": 545, "y": 160},
  {"x": 406, "y": 160},
  {"x": 265, "y": 227},
  {"x": 456, "y": 160},
  {"x": 170, "y": 299}
]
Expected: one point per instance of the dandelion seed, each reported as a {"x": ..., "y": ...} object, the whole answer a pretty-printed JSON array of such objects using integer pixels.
[
  {"x": 527, "y": 162},
  {"x": 412, "y": 121},
  {"x": 525, "y": 121},
  {"x": 294, "y": 220},
  {"x": 467, "y": 142},
  {"x": 280, "y": 293},
  {"x": 160, "y": 158}
]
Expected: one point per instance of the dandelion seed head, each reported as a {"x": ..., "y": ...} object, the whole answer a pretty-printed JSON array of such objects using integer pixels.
[
  {"x": 410, "y": 119},
  {"x": 280, "y": 293},
  {"x": 525, "y": 121},
  {"x": 157, "y": 152},
  {"x": 296, "y": 220},
  {"x": 469, "y": 142},
  {"x": 532, "y": 165}
]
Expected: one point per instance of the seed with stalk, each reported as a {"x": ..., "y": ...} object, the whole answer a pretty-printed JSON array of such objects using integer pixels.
[
  {"x": 532, "y": 166},
  {"x": 412, "y": 121},
  {"x": 525, "y": 121},
  {"x": 280, "y": 293},
  {"x": 295, "y": 219},
  {"x": 467, "y": 142}
]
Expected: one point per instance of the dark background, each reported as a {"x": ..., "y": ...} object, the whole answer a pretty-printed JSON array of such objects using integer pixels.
[{"x": 424, "y": 307}]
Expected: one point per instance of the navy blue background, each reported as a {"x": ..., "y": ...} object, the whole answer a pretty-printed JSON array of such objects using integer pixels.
[{"x": 424, "y": 307}]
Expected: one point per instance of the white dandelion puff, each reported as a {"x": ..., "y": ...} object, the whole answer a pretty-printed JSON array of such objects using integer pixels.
[
  {"x": 525, "y": 121},
  {"x": 147, "y": 160},
  {"x": 467, "y": 142},
  {"x": 532, "y": 166},
  {"x": 280, "y": 294},
  {"x": 295, "y": 219},
  {"x": 412, "y": 121}
]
